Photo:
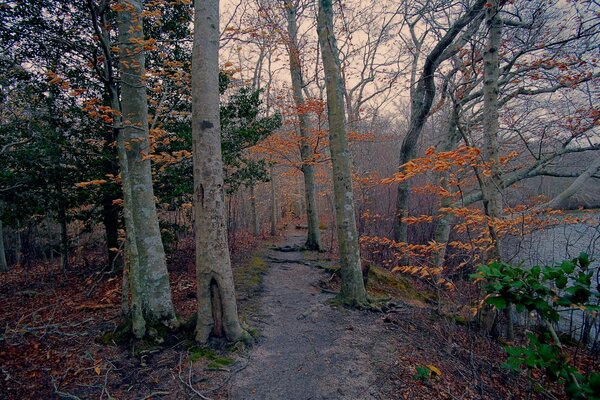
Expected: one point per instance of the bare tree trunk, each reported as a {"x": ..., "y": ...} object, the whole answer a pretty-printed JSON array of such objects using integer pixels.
[
  {"x": 492, "y": 198},
  {"x": 421, "y": 101},
  {"x": 353, "y": 289},
  {"x": 255, "y": 221},
  {"x": 153, "y": 275},
  {"x": 131, "y": 302},
  {"x": 444, "y": 219},
  {"x": 3, "y": 263},
  {"x": 273, "y": 204},
  {"x": 217, "y": 308},
  {"x": 491, "y": 183},
  {"x": 313, "y": 239}
]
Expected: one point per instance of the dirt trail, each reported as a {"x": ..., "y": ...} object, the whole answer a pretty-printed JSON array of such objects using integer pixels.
[{"x": 308, "y": 349}]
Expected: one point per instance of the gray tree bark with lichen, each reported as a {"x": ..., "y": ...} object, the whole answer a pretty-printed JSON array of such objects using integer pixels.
[
  {"x": 157, "y": 305},
  {"x": 217, "y": 308},
  {"x": 353, "y": 290}
]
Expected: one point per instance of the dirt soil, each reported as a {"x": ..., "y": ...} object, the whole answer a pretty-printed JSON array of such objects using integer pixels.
[{"x": 308, "y": 349}]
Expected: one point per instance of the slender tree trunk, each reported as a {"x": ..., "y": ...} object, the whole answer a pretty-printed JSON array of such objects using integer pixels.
[
  {"x": 153, "y": 275},
  {"x": 444, "y": 219},
  {"x": 353, "y": 289},
  {"x": 217, "y": 308},
  {"x": 3, "y": 263},
  {"x": 255, "y": 221},
  {"x": 273, "y": 204},
  {"x": 491, "y": 183},
  {"x": 131, "y": 302},
  {"x": 421, "y": 101},
  {"x": 64, "y": 233},
  {"x": 313, "y": 239}
]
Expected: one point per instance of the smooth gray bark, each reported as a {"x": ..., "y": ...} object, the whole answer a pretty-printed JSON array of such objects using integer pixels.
[
  {"x": 153, "y": 274},
  {"x": 313, "y": 239},
  {"x": 3, "y": 263},
  {"x": 491, "y": 183},
  {"x": 353, "y": 289},
  {"x": 217, "y": 308}
]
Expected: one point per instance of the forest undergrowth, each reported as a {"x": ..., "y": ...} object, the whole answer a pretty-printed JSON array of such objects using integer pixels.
[{"x": 56, "y": 340}]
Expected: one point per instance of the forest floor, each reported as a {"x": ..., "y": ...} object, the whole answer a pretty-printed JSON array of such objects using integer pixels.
[{"x": 55, "y": 339}]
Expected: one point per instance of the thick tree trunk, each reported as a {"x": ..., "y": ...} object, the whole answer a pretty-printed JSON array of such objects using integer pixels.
[
  {"x": 154, "y": 278},
  {"x": 132, "y": 302},
  {"x": 3, "y": 263},
  {"x": 353, "y": 289},
  {"x": 273, "y": 204},
  {"x": 313, "y": 239},
  {"x": 217, "y": 308}
]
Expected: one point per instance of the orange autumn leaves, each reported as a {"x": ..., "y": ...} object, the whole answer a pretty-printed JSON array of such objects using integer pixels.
[
  {"x": 456, "y": 169},
  {"x": 461, "y": 159}
]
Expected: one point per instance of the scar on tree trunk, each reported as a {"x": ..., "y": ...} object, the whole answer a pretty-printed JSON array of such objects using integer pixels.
[{"x": 217, "y": 309}]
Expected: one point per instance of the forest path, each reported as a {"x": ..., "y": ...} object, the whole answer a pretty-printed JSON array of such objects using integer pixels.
[{"x": 308, "y": 349}]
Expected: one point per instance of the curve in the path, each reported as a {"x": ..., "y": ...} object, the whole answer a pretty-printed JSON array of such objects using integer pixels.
[{"x": 308, "y": 349}]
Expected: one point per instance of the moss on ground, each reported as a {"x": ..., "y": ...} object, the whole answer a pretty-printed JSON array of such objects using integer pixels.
[
  {"x": 383, "y": 283},
  {"x": 248, "y": 277},
  {"x": 212, "y": 358}
]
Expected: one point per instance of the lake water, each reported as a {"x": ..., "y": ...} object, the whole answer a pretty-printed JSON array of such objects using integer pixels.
[{"x": 553, "y": 245}]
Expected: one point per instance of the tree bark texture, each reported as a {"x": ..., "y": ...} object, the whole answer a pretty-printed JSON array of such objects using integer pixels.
[
  {"x": 217, "y": 308},
  {"x": 153, "y": 275},
  {"x": 353, "y": 289},
  {"x": 492, "y": 182}
]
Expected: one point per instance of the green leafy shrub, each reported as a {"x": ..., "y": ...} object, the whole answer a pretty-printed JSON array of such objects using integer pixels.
[{"x": 544, "y": 290}]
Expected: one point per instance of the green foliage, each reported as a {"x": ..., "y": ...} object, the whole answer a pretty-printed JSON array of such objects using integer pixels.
[
  {"x": 541, "y": 289},
  {"x": 422, "y": 373},
  {"x": 214, "y": 361},
  {"x": 243, "y": 126},
  {"x": 545, "y": 290}
]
